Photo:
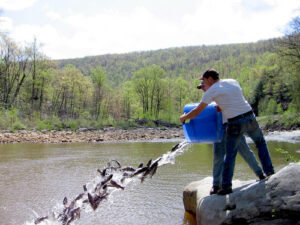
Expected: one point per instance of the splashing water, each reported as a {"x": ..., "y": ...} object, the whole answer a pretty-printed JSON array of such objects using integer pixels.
[{"x": 110, "y": 179}]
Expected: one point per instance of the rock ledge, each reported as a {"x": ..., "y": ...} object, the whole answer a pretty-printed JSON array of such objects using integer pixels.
[{"x": 275, "y": 200}]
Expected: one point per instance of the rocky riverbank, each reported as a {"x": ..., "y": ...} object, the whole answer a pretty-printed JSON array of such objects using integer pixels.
[
  {"x": 117, "y": 134},
  {"x": 85, "y": 135}
]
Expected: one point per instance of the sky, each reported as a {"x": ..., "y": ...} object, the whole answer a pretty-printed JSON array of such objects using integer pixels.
[{"x": 79, "y": 28}]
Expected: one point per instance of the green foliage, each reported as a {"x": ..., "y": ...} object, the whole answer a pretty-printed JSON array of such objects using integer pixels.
[
  {"x": 9, "y": 119},
  {"x": 278, "y": 122},
  {"x": 268, "y": 107},
  {"x": 45, "y": 125},
  {"x": 17, "y": 125},
  {"x": 72, "y": 124},
  {"x": 12, "y": 116},
  {"x": 288, "y": 157},
  {"x": 113, "y": 89},
  {"x": 50, "y": 124}
]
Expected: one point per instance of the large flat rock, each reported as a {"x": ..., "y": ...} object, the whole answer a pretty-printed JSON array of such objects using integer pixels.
[{"x": 275, "y": 200}]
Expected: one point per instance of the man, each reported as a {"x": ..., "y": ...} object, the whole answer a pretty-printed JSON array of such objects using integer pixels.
[
  {"x": 219, "y": 153},
  {"x": 228, "y": 95}
]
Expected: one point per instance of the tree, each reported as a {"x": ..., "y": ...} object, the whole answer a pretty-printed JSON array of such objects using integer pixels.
[
  {"x": 71, "y": 90},
  {"x": 180, "y": 93},
  {"x": 98, "y": 76},
  {"x": 148, "y": 86},
  {"x": 289, "y": 46},
  {"x": 14, "y": 68},
  {"x": 289, "y": 50}
]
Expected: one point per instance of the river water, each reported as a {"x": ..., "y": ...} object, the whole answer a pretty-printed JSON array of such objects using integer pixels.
[{"x": 35, "y": 178}]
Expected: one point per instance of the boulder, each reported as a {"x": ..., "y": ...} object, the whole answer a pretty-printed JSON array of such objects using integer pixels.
[{"x": 275, "y": 200}]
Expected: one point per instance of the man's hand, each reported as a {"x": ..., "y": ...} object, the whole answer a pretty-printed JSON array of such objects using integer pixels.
[
  {"x": 182, "y": 117},
  {"x": 218, "y": 108}
]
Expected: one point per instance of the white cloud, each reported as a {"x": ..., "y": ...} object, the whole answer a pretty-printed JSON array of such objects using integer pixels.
[
  {"x": 16, "y": 5},
  {"x": 221, "y": 22},
  {"x": 5, "y": 24},
  {"x": 109, "y": 32},
  {"x": 53, "y": 15},
  {"x": 113, "y": 31}
]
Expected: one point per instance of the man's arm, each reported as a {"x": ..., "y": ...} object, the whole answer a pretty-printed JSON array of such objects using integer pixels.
[{"x": 193, "y": 113}]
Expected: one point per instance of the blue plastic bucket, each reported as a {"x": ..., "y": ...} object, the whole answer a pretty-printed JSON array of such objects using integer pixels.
[{"x": 206, "y": 127}]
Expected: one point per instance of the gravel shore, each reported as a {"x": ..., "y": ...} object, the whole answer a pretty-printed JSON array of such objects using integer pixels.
[{"x": 85, "y": 135}]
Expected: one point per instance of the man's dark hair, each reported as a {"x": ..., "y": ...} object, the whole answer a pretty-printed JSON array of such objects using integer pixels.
[{"x": 211, "y": 73}]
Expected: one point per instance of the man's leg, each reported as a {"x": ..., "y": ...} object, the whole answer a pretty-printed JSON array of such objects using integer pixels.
[
  {"x": 218, "y": 162},
  {"x": 249, "y": 157},
  {"x": 233, "y": 137},
  {"x": 219, "y": 150},
  {"x": 255, "y": 133}
]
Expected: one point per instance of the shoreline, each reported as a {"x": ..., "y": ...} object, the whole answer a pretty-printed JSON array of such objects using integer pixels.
[
  {"x": 110, "y": 134},
  {"x": 91, "y": 136}
]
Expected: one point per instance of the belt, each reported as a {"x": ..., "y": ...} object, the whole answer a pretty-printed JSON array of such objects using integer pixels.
[{"x": 240, "y": 116}]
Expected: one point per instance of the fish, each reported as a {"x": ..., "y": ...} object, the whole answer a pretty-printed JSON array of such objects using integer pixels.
[
  {"x": 99, "y": 198},
  {"x": 149, "y": 162},
  {"x": 74, "y": 214},
  {"x": 115, "y": 184},
  {"x": 84, "y": 188},
  {"x": 138, "y": 171},
  {"x": 65, "y": 201},
  {"x": 175, "y": 147},
  {"x": 116, "y": 161},
  {"x": 157, "y": 160},
  {"x": 128, "y": 168},
  {"x": 107, "y": 179},
  {"x": 40, "y": 219},
  {"x": 85, "y": 201},
  {"x": 79, "y": 196},
  {"x": 145, "y": 175},
  {"x": 103, "y": 172},
  {"x": 92, "y": 202},
  {"x": 153, "y": 169}
]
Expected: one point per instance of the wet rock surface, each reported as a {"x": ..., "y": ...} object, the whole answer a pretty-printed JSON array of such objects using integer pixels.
[{"x": 86, "y": 135}]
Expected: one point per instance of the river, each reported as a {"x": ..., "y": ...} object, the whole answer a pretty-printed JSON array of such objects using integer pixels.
[{"x": 35, "y": 178}]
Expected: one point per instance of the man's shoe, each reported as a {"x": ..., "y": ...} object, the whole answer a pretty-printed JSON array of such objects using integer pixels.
[
  {"x": 270, "y": 174},
  {"x": 262, "y": 177},
  {"x": 214, "y": 190},
  {"x": 223, "y": 191}
]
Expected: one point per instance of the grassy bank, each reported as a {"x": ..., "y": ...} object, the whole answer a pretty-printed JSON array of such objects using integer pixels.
[
  {"x": 280, "y": 122},
  {"x": 11, "y": 120}
]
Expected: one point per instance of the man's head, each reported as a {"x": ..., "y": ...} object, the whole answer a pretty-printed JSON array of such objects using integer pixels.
[
  {"x": 209, "y": 77},
  {"x": 202, "y": 86}
]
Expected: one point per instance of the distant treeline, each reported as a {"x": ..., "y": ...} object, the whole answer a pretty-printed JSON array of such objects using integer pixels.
[{"x": 117, "y": 89}]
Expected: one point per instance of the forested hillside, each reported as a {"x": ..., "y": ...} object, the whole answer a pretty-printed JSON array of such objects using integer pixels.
[
  {"x": 256, "y": 65},
  {"x": 120, "y": 88}
]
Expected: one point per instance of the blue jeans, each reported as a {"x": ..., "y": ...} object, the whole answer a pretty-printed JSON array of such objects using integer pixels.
[
  {"x": 235, "y": 137},
  {"x": 219, "y": 154}
]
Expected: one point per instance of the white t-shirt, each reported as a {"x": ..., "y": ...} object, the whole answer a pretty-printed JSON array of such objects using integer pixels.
[{"x": 227, "y": 93}]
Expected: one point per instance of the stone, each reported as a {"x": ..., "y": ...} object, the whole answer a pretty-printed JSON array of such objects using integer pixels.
[{"x": 275, "y": 200}]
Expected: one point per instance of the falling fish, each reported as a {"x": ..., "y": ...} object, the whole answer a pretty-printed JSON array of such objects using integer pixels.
[
  {"x": 92, "y": 202},
  {"x": 40, "y": 219},
  {"x": 115, "y": 184},
  {"x": 175, "y": 147},
  {"x": 100, "y": 192},
  {"x": 128, "y": 168},
  {"x": 139, "y": 171},
  {"x": 149, "y": 162},
  {"x": 107, "y": 179}
]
